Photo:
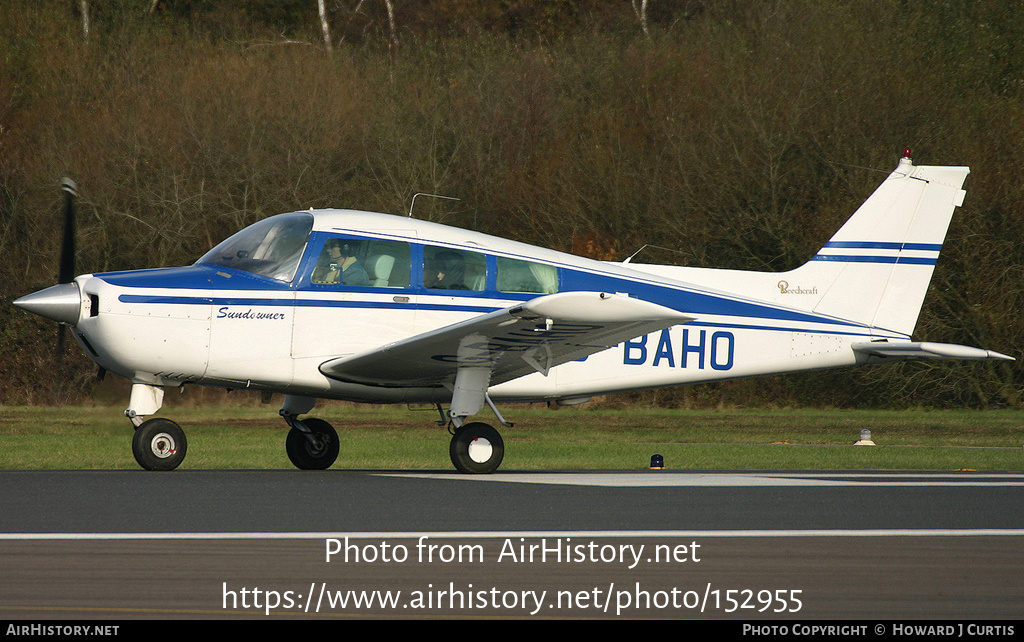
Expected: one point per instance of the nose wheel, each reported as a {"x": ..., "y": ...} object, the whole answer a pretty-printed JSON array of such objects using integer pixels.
[
  {"x": 159, "y": 444},
  {"x": 477, "y": 448}
]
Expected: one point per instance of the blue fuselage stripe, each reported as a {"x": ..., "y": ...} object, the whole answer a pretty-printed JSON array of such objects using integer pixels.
[
  {"x": 854, "y": 330},
  {"x": 307, "y": 303}
]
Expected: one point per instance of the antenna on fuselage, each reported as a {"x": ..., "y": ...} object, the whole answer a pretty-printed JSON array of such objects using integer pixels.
[
  {"x": 413, "y": 204},
  {"x": 630, "y": 257},
  {"x": 647, "y": 245}
]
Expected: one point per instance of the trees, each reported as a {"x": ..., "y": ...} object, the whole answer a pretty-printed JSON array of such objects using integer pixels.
[{"x": 736, "y": 135}]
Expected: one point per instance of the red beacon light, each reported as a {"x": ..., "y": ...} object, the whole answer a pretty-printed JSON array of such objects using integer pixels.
[{"x": 905, "y": 160}]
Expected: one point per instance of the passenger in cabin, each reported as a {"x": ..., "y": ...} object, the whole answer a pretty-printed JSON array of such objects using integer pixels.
[
  {"x": 446, "y": 272},
  {"x": 338, "y": 264}
]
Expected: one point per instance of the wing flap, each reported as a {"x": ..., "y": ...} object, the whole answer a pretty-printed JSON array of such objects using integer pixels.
[{"x": 534, "y": 336}]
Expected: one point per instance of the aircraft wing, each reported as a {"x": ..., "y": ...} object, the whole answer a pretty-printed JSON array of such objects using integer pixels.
[
  {"x": 925, "y": 350},
  {"x": 534, "y": 336}
]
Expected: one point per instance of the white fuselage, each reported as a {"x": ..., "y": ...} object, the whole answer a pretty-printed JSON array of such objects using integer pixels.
[{"x": 220, "y": 326}]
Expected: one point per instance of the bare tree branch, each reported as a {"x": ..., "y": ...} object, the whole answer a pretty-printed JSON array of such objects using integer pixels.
[
  {"x": 324, "y": 26},
  {"x": 641, "y": 15},
  {"x": 393, "y": 41},
  {"x": 84, "y": 6}
]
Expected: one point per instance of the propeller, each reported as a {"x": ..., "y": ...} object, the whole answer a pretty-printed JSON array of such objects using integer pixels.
[
  {"x": 66, "y": 273},
  {"x": 67, "y": 246},
  {"x": 62, "y": 302}
]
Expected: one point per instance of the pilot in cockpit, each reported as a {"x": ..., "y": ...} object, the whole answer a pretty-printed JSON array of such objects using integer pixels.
[{"x": 338, "y": 264}]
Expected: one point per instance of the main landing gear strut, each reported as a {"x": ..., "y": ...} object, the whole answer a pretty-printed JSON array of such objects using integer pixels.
[
  {"x": 312, "y": 444},
  {"x": 476, "y": 447}
]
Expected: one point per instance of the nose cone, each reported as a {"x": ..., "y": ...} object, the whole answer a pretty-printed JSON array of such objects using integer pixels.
[{"x": 61, "y": 303}]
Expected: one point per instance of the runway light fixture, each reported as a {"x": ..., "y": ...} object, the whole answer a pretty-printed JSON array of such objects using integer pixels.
[
  {"x": 865, "y": 438},
  {"x": 657, "y": 462}
]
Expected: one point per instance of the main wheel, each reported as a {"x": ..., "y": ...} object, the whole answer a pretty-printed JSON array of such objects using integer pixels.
[
  {"x": 313, "y": 452},
  {"x": 477, "y": 448},
  {"x": 159, "y": 444}
]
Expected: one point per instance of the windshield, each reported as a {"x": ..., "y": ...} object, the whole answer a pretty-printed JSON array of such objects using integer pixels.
[{"x": 270, "y": 248}]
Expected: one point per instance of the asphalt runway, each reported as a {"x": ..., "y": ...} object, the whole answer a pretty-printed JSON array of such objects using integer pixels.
[{"x": 437, "y": 544}]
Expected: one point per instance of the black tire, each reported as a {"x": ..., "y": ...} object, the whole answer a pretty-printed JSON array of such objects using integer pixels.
[
  {"x": 318, "y": 454},
  {"x": 159, "y": 444},
  {"x": 477, "y": 448}
]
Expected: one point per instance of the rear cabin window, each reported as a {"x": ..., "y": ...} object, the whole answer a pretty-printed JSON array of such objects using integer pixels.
[
  {"x": 362, "y": 263},
  {"x": 447, "y": 269},
  {"x": 526, "y": 276}
]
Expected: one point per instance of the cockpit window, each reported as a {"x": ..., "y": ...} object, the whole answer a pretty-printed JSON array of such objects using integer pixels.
[
  {"x": 363, "y": 262},
  {"x": 269, "y": 248}
]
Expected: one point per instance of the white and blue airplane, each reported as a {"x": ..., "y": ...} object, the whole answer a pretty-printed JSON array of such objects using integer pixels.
[{"x": 377, "y": 308}]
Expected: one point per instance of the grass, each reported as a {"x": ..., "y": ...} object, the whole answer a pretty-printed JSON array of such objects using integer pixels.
[{"x": 252, "y": 437}]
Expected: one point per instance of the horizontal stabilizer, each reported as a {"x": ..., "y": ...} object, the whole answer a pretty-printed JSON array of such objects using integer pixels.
[
  {"x": 529, "y": 337},
  {"x": 925, "y": 350}
]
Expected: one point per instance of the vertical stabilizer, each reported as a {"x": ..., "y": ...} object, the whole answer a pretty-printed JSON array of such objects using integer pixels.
[{"x": 878, "y": 265}]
